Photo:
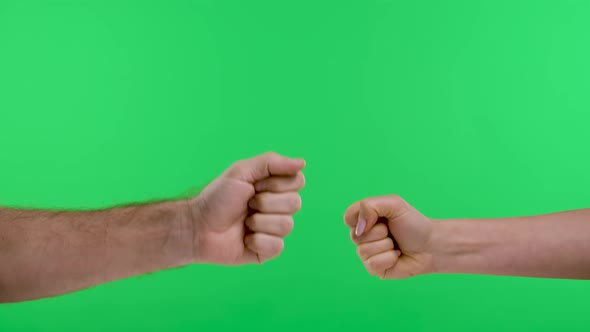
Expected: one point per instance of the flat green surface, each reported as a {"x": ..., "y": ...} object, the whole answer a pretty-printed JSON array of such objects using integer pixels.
[{"x": 466, "y": 108}]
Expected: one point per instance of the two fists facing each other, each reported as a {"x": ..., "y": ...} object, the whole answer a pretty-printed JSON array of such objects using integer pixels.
[{"x": 243, "y": 216}]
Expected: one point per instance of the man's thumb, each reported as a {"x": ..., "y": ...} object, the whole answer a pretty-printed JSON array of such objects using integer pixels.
[{"x": 263, "y": 166}]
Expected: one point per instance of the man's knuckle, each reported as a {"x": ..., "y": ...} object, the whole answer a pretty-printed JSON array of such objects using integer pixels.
[
  {"x": 300, "y": 180},
  {"x": 271, "y": 156},
  {"x": 278, "y": 246},
  {"x": 296, "y": 202},
  {"x": 287, "y": 225},
  {"x": 237, "y": 165}
]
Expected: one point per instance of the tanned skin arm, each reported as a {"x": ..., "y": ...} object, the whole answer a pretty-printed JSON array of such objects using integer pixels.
[
  {"x": 242, "y": 217},
  {"x": 46, "y": 253}
]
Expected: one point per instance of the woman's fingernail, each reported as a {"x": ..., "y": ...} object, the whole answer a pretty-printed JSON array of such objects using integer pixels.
[
  {"x": 360, "y": 227},
  {"x": 398, "y": 252}
]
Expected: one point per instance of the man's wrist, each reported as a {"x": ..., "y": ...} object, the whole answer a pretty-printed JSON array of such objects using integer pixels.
[
  {"x": 178, "y": 241},
  {"x": 193, "y": 220}
]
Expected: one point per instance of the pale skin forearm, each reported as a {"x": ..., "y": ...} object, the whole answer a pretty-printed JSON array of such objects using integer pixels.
[
  {"x": 45, "y": 253},
  {"x": 549, "y": 246}
]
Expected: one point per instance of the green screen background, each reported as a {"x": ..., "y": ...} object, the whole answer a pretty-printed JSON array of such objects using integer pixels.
[{"x": 465, "y": 108}]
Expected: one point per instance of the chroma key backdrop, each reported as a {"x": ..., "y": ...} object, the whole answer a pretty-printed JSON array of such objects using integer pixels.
[{"x": 465, "y": 108}]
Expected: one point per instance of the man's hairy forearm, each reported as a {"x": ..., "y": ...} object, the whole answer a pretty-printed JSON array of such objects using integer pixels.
[
  {"x": 47, "y": 253},
  {"x": 551, "y": 246}
]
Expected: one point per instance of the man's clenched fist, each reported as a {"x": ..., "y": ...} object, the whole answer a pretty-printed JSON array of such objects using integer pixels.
[{"x": 244, "y": 214}]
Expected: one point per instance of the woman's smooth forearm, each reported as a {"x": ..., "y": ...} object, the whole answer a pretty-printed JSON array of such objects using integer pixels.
[
  {"x": 45, "y": 253},
  {"x": 550, "y": 246}
]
